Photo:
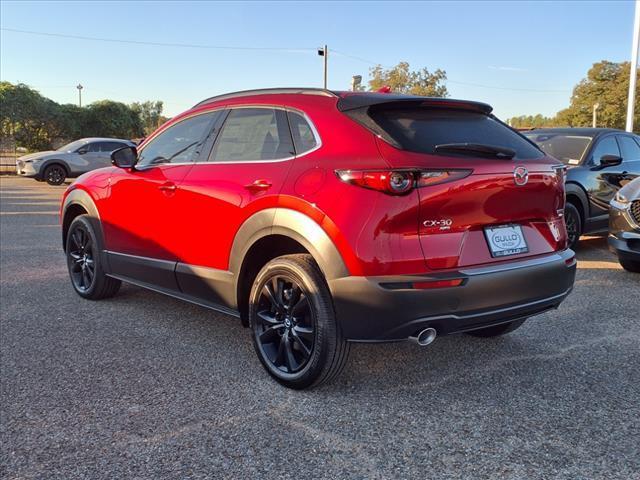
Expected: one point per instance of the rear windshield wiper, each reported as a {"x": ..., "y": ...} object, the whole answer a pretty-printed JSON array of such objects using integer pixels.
[{"x": 476, "y": 148}]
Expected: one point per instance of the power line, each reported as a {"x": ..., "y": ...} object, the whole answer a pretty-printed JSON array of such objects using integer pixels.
[
  {"x": 281, "y": 49},
  {"x": 364, "y": 60},
  {"x": 155, "y": 44}
]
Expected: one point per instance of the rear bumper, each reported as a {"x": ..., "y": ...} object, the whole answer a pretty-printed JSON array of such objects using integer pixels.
[{"x": 379, "y": 309}]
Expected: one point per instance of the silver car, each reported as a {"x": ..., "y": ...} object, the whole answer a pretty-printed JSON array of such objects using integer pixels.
[{"x": 71, "y": 160}]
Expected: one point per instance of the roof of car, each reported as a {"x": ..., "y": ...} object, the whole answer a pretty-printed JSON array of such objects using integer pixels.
[
  {"x": 584, "y": 131},
  {"x": 104, "y": 139},
  {"x": 348, "y": 100}
]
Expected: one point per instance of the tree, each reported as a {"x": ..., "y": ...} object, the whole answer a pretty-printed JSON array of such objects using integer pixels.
[
  {"x": 402, "y": 80},
  {"x": 533, "y": 121},
  {"x": 607, "y": 84},
  {"x": 107, "y": 118},
  {"x": 26, "y": 116},
  {"x": 150, "y": 114}
]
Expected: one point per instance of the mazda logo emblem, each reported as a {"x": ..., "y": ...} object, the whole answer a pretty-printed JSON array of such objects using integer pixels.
[{"x": 520, "y": 176}]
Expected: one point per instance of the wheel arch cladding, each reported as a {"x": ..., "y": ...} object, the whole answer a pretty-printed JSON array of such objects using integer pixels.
[
  {"x": 274, "y": 232},
  {"x": 79, "y": 202},
  {"x": 576, "y": 195}
]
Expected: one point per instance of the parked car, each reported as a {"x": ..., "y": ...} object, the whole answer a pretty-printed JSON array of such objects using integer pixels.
[
  {"x": 624, "y": 226},
  {"x": 323, "y": 218},
  {"x": 70, "y": 160},
  {"x": 600, "y": 161}
]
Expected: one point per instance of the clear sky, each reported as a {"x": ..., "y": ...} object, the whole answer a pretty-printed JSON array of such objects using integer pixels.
[{"x": 530, "y": 54}]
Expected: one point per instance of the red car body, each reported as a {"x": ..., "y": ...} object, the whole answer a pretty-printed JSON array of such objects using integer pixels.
[{"x": 394, "y": 263}]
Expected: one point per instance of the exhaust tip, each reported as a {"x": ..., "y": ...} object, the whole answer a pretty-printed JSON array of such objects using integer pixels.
[{"x": 424, "y": 337}]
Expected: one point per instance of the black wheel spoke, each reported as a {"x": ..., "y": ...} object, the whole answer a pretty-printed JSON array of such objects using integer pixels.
[
  {"x": 271, "y": 333},
  {"x": 289, "y": 359},
  {"x": 279, "y": 360},
  {"x": 300, "y": 306},
  {"x": 267, "y": 317},
  {"x": 305, "y": 332},
  {"x": 306, "y": 351},
  {"x": 268, "y": 291},
  {"x": 278, "y": 287}
]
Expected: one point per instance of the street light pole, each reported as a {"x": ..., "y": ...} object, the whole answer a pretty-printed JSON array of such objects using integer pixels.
[
  {"x": 634, "y": 69},
  {"x": 595, "y": 113},
  {"x": 324, "y": 52},
  {"x": 79, "y": 87}
]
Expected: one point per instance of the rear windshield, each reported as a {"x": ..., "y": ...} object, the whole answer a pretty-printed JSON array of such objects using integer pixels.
[
  {"x": 569, "y": 149},
  {"x": 422, "y": 129}
]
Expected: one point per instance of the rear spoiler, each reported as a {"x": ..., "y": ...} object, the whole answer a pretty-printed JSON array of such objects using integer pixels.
[{"x": 353, "y": 101}]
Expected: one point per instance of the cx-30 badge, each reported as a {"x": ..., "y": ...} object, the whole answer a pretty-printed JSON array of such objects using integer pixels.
[{"x": 520, "y": 176}]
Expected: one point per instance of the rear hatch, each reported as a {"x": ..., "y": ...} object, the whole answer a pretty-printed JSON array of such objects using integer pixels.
[{"x": 487, "y": 194}]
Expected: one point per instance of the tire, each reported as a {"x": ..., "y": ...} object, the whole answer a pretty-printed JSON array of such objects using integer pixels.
[
  {"x": 573, "y": 222},
  {"x": 85, "y": 264},
  {"x": 293, "y": 325},
  {"x": 497, "y": 330},
  {"x": 55, "y": 174},
  {"x": 630, "y": 265}
]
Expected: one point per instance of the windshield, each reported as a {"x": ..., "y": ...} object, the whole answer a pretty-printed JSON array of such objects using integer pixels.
[
  {"x": 569, "y": 149},
  {"x": 72, "y": 147}
]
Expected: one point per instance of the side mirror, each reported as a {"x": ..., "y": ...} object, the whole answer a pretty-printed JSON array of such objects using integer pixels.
[
  {"x": 610, "y": 160},
  {"x": 82, "y": 151},
  {"x": 125, "y": 157}
]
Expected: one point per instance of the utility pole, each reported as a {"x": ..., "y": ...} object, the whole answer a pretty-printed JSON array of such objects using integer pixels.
[
  {"x": 79, "y": 87},
  {"x": 634, "y": 69},
  {"x": 324, "y": 52},
  {"x": 595, "y": 114}
]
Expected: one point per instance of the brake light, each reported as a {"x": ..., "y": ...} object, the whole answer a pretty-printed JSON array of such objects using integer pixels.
[{"x": 399, "y": 182}]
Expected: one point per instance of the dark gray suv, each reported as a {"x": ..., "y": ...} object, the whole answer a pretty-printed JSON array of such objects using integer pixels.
[{"x": 71, "y": 160}]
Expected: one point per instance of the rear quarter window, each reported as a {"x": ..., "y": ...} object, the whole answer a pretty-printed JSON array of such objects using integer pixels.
[{"x": 422, "y": 129}]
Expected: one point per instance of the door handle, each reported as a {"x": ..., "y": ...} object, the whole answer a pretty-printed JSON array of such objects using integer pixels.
[
  {"x": 168, "y": 187},
  {"x": 258, "y": 185}
]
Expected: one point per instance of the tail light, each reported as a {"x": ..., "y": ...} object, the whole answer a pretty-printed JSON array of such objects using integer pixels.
[
  {"x": 561, "y": 172},
  {"x": 399, "y": 182}
]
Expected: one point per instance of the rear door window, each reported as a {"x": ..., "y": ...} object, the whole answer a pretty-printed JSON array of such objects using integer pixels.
[
  {"x": 111, "y": 146},
  {"x": 629, "y": 148},
  {"x": 422, "y": 129},
  {"x": 253, "y": 134},
  {"x": 304, "y": 138}
]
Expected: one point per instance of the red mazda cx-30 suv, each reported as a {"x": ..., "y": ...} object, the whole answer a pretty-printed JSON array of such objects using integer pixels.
[{"x": 322, "y": 218}]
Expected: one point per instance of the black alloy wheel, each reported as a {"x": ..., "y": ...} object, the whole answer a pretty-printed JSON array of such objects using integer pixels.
[
  {"x": 82, "y": 265},
  {"x": 55, "y": 175},
  {"x": 573, "y": 223},
  {"x": 294, "y": 328},
  {"x": 284, "y": 326}
]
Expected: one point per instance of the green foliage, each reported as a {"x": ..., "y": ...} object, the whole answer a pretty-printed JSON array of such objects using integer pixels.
[
  {"x": 607, "y": 84},
  {"x": 150, "y": 114},
  {"x": 402, "y": 80},
  {"x": 524, "y": 121},
  {"x": 36, "y": 123},
  {"x": 107, "y": 118}
]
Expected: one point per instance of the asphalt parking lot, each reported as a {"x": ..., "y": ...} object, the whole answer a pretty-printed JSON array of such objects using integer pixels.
[{"x": 145, "y": 386}]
